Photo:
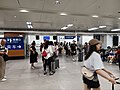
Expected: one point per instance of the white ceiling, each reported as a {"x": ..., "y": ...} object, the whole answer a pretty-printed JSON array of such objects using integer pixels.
[{"x": 44, "y": 14}]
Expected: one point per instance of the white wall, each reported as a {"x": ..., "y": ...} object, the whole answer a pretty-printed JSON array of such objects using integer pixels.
[
  {"x": 109, "y": 40},
  {"x": 86, "y": 38},
  {"x": 32, "y": 38},
  {"x": 119, "y": 40}
]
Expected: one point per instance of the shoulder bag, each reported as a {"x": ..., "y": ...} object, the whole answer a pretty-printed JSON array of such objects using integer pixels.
[{"x": 87, "y": 73}]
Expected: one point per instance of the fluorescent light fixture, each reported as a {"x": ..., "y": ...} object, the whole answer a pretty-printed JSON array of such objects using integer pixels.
[
  {"x": 23, "y": 10},
  {"x": 102, "y": 26},
  {"x": 91, "y": 29},
  {"x": 118, "y": 18},
  {"x": 29, "y": 26},
  {"x": 63, "y": 14},
  {"x": 69, "y": 25},
  {"x": 115, "y": 30},
  {"x": 28, "y": 23},
  {"x": 95, "y": 16},
  {"x": 64, "y": 28}
]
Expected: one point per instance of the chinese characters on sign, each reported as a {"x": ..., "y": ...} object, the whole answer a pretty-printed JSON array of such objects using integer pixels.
[{"x": 15, "y": 43}]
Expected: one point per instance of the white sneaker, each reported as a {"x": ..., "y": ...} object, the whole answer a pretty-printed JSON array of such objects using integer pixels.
[{"x": 3, "y": 80}]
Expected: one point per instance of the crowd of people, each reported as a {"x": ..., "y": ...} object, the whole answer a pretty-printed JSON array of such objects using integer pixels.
[{"x": 49, "y": 51}]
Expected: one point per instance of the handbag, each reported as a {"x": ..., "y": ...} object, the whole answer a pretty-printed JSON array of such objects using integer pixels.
[
  {"x": 5, "y": 56},
  {"x": 44, "y": 53},
  {"x": 87, "y": 73}
]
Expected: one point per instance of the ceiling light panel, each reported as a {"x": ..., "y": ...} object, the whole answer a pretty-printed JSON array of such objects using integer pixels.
[
  {"x": 95, "y": 16},
  {"x": 102, "y": 26},
  {"x": 64, "y": 28},
  {"x": 69, "y": 25},
  {"x": 91, "y": 29},
  {"x": 57, "y": 2},
  {"x": 63, "y": 14},
  {"x": 24, "y": 11},
  {"x": 115, "y": 30}
]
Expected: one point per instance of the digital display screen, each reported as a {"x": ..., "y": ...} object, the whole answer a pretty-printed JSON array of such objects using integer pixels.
[
  {"x": 46, "y": 37},
  {"x": 69, "y": 37},
  {"x": 14, "y": 43}
]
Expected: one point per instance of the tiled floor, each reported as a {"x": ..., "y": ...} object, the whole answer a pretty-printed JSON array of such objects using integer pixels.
[{"x": 67, "y": 77}]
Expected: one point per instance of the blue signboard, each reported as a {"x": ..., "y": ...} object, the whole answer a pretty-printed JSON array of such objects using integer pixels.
[
  {"x": 69, "y": 37},
  {"x": 14, "y": 43},
  {"x": 46, "y": 38}
]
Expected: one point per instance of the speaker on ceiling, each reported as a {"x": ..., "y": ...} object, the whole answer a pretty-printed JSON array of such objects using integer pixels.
[{"x": 115, "y": 40}]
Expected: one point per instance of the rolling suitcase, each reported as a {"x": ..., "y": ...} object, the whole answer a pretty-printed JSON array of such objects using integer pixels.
[
  {"x": 57, "y": 63},
  {"x": 116, "y": 83},
  {"x": 80, "y": 56}
]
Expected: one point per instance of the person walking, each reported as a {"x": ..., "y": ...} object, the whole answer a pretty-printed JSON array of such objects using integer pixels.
[
  {"x": 94, "y": 63},
  {"x": 3, "y": 59}
]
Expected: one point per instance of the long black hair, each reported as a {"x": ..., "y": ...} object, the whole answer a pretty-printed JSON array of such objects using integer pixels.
[{"x": 92, "y": 48}]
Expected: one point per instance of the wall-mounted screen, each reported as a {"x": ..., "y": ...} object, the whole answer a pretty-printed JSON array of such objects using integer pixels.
[{"x": 46, "y": 37}]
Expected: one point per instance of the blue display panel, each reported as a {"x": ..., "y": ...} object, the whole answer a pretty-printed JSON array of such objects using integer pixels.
[
  {"x": 46, "y": 37},
  {"x": 69, "y": 37},
  {"x": 14, "y": 43}
]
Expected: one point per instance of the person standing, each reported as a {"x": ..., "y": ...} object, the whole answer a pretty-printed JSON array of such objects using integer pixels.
[
  {"x": 73, "y": 47},
  {"x": 33, "y": 55},
  {"x": 3, "y": 59},
  {"x": 94, "y": 63}
]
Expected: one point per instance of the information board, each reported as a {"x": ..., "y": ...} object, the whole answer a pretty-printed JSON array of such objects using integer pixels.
[{"x": 14, "y": 43}]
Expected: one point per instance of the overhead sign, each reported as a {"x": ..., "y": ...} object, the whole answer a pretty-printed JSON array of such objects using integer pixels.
[{"x": 69, "y": 37}]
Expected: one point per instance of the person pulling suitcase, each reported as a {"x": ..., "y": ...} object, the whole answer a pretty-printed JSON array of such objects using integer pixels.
[{"x": 116, "y": 83}]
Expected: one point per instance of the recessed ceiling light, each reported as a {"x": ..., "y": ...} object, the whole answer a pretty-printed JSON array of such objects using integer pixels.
[
  {"x": 91, "y": 29},
  {"x": 63, "y": 14},
  {"x": 28, "y": 23},
  {"x": 95, "y": 16},
  {"x": 115, "y": 30},
  {"x": 64, "y": 28},
  {"x": 102, "y": 26},
  {"x": 15, "y": 16},
  {"x": 118, "y": 18},
  {"x": 29, "y": 26},
  {"x": 23, "y": 10},
  {"x": 70, "y": 25},
  {"x": 57, "y": 2}
]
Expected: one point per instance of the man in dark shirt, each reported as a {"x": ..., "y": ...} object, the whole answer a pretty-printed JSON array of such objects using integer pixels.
[{"x": 73, "y": 50}]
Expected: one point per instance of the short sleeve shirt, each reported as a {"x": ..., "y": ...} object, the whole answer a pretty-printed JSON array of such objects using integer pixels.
[{"x": 94, "y": 62}]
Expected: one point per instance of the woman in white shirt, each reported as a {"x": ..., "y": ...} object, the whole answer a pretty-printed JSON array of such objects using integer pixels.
[
  {"x": 94, "y": 63},
  {"x": 48, "y": 58}
]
